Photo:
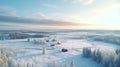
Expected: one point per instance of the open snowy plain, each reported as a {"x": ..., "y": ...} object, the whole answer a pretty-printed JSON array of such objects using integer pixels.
[{"x": 47, "y": 51}]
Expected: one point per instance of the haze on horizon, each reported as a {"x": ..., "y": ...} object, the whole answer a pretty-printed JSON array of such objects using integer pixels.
[{"x": 59, "y": 14}]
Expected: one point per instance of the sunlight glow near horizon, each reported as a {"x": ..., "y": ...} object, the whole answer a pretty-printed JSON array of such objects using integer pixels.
[{"x": 83, "y": 14}]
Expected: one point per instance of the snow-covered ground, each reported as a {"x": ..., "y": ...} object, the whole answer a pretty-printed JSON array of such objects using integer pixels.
[{"x": 24, "y": 52}]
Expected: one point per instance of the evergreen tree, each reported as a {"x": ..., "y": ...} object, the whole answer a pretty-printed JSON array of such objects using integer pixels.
[
  {"x": 44, "y": 50},
  {"x": 3, "y": 58},
  {"x": 72, "y": 64}
]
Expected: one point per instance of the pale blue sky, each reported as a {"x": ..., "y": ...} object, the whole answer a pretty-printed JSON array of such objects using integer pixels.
[{"x": 60, "y": 14}]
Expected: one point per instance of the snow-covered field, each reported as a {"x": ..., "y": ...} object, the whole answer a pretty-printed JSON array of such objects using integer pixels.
[{"x": 39, "y": 53}]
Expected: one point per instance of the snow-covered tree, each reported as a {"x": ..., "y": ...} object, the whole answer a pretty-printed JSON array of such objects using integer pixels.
[
  {"x": 34, "y": 41},
  {"x": 96, "y": 55},
  {"x": 72, "y": 64},
  {"x": 117, "y": 51},
  {"x": 28, "y": 40},
  {"x": 66, "y": 65},
  {"x": 30, "y": 63},
  {"x": 21, "y": 63},
  {"x": 117, "y": 62},
  {"x": 86, "y": 52},
  {"x": 44, "y": 50},
  {"x": 3, "y": 59},
  {"x": 55, "y": 64},
  {"x": 12, "y": 63}
]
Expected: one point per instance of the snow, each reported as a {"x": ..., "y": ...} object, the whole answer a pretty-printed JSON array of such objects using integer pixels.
[{"x": 24, "y": 52}]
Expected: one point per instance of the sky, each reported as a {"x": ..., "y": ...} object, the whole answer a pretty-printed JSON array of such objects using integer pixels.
[{"x": 59, "y": 14}]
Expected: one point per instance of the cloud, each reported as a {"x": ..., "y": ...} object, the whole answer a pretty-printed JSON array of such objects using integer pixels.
[
  {"x": 49, "y": 5},
  {"x": 83, "y": 2},
  {"x": 7, "y": 11},
  {"x": 12, "y": 27},
  {"x": 31, "y": 21},
  {"x": 39, "y": 16},
  {"x": 21, "y": 23},
  {"x": 107, "y": 8},
  {"x": 87, "y": 2},
  {"x": 82, "y": 20},
  {"x": 10, "y": 20},
  {"x": 101, "y": 12}
]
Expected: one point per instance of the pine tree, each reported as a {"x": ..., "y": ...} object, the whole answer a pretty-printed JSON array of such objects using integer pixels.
[
  {"x": 65, "y": 65},
  {"x": 21, "y": 63},
  {"x": 72, "y": 63},
  {"x": 34, "y": 41},
  {"x": 55, "y": 64},
  {"x": 4, "y": 58},
  {"x": 44, "y": 50},
  {"x": 29, "y": 64},
  {"x": 12, "y": 63},
  {"x": 86, "y": 52},
  {"x": 28, "y": 40}
]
